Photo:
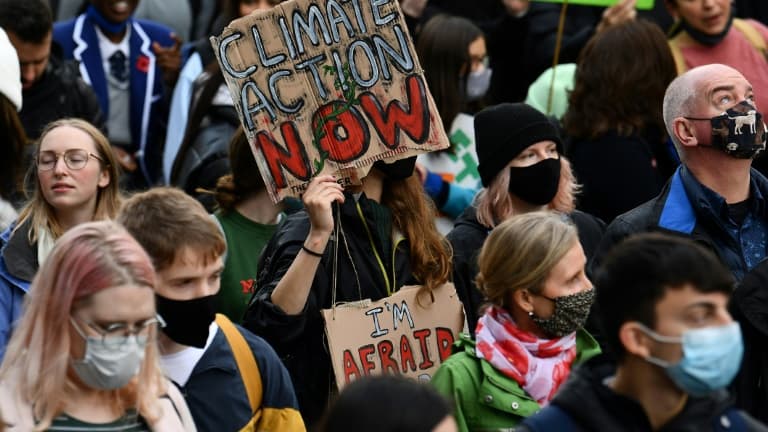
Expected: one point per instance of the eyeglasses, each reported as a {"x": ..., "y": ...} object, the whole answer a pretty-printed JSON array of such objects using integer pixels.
[
  {"x": 117, "y": 334},
  {"x": 76, "y": 159}
]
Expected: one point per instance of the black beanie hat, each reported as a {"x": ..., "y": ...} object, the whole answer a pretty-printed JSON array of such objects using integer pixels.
[{"x": 503, "y": 131}]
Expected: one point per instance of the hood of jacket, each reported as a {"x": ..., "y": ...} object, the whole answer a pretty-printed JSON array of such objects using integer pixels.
[{"x": 18, "y": 254}]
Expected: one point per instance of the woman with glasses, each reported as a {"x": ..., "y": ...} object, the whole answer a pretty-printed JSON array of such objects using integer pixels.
[
  {"x": 84, "y": 356},
  {"x": 73, "y": 181}
]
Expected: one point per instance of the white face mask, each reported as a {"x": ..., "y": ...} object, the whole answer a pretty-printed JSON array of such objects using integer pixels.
[
  {"x": 478, "y": 83},
  {"x": 109, "y": 362}
]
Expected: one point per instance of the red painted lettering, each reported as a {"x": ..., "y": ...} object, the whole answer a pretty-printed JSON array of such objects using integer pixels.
[
  {"x": 422, "y": 336},
  {"x": 350, "y": 367},
  {"x": 413, "y": 120},
  {"x": 293, "y": 157},
  {"x": 365, "y": 358},
  {"x": 342, "y": 131},
  {"x": 406, "y": 354},
  {"x": 388, "y": 364},
  {"x": 444, "y": 342}
]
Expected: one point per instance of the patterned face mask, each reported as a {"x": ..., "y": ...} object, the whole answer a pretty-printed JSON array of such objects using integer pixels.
[
  {"x": 571, "y": 312},
  {"x": 739, "y": 131}
]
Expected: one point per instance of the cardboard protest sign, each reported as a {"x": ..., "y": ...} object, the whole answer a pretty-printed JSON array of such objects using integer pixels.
[
  {"x": 395, "y": 335},
  {"x": 641, "y": 4},
  {"x": 327, "y": 87}
]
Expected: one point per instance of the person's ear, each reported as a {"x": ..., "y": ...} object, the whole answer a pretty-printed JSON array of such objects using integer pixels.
[
  {"x": 634, "y": 339},
  {"x": 524, "y": 300},
  {"x": 684, "y": 131},
  {"x": 104, "y": 178}
]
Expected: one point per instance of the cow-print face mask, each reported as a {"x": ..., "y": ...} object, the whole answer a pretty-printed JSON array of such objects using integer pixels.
[{"x": 739, "y": 131}]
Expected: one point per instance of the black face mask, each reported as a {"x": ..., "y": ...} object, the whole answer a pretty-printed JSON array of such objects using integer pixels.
[
  {"x": 703, "y": 38},
  {"x": 397, "y": 170},
  {"x": 187, "y": 321},
  {"x": 536, "y": 184}
]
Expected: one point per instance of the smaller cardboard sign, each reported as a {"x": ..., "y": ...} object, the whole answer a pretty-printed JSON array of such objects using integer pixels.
[
  {"x": 641, "y": 4},
  {"x": 395, "y": 335}
]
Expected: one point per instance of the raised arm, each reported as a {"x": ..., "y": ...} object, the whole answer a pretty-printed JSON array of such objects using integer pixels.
[{"x": 292, "y": 291}]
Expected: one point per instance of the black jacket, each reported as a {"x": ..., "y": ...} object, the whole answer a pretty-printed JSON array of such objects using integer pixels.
[
  {"x": 468, "y": 236},
  {"x": 59, "y": 93},
  {"x": 593, "y": 406},
  {"x": 683, "y": 208},
  {"x": 203, "y": 159},
  {"x": 749, "y": 306},
  {"x": 618, "y": 173},
  {"x": 299, "y": 339}
]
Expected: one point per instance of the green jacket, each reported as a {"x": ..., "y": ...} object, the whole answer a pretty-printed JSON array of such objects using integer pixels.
[{"x": 485, "y": 399}]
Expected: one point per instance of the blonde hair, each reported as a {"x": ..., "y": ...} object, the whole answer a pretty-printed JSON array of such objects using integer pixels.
[
  {"x": 87, "y": 259},
  {"x": 41, "y": 214},
  {"x": 494, "y": 204},
  {"x": 521, "y": 252}
]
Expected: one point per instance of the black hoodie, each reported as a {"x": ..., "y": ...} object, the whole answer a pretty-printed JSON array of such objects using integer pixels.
[{"x": 593, "y": 406}]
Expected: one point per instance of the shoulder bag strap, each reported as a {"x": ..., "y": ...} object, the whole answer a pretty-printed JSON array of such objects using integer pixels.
[{"x": 245, "y": 360}]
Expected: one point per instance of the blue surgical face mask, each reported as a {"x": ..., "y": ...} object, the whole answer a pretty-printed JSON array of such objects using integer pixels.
[{"x": 711, "y": 357}]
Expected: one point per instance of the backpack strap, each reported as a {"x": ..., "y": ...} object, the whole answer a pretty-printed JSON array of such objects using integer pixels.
[
  {"x": 753, "y": 36},
  {"x": 245, "y": 360},
  {"x": 682, "y": 39},
  {"x": 750, "y": 33},
  {"x": 551, "y": 418}
]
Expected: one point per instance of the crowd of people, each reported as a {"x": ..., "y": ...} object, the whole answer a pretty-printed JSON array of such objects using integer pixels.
[{"x": 601, "y": 213}]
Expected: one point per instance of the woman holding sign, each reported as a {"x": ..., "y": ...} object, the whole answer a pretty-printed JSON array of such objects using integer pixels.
[
  {"x": 530, "y": 336},
  {"x": 348, "y": 245}
]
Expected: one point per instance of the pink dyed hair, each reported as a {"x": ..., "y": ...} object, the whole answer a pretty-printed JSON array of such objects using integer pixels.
[{"x": 87, "y": 259}]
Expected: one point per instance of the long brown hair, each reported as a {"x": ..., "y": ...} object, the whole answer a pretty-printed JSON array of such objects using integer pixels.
[
  {"x": 108, "y": 198},
  {"x": 414, "y": 215},
  {"x": 620, "y": 81},
  {"x": 443, "y": 51},
  {"x": 12, "y": 154},
  {"x": 245, "y": 179}
]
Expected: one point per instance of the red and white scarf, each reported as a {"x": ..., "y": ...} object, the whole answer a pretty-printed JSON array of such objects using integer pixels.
[{"x": 540, "y": 366}]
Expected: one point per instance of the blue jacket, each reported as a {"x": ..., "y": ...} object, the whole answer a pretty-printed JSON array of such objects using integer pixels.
[
  {"x": 148, "y": 106},
  {"x": 216, "y": 395},
  {"x": 685, "y": 207},
  {"x": 18, "y": 265}
]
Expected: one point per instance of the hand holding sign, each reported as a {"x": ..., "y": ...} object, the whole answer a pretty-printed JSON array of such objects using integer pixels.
[
  {"x": 516, "y": 7},
  {"x": 318, "y": 199},
  {"x": 617, "y": 14}
]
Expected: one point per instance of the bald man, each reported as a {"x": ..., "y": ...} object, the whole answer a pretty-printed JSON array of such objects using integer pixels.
[{"x": 714, "y": 197}]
